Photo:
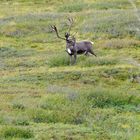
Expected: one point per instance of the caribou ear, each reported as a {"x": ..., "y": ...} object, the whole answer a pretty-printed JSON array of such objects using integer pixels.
[{"x": 73, "y": 38}]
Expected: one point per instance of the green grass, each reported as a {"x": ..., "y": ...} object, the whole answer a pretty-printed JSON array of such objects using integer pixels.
[{"x": 42, "y": 97}]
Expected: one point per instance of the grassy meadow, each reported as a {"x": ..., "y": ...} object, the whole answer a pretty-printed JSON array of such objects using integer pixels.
[{"x": 42, "y": 97}]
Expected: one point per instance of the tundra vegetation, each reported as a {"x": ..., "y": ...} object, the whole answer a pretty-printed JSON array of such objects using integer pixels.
[{"x": 43, "y": 98}]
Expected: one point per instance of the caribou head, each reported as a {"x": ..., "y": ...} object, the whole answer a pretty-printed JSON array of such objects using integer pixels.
[{"x": 73, "y": 48}]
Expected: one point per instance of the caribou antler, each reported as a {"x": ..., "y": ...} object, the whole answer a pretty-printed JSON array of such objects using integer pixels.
[
  {"x": 56, "y": 31},
  {"x": 71, "y": 21}
]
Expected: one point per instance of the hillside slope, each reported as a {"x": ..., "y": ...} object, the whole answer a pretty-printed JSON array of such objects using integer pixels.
[{"x": 42, "y": 97}]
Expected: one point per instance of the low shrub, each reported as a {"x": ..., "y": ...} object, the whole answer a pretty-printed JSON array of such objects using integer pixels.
[
  {"x": 92, "y": 61},
  {"x": 15, "y": 132},
  {"x": 21, "y": 120},
  {"x": 44, "y": 116},
  {"x": 119, "y": 4},
  {"x": 58, "y": 60},
  {"x": 18, "y": 106},
  {"x": 120, "y": 43},
  {"x": 111, "y": 98},
  {"x": 73, "y": 7}
]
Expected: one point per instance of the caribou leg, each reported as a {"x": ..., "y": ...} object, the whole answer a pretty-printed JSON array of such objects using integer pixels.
[
  {"x": 86, "y": 53},
  {"x": 70, "y": 59},
  {"x": 75, "y": 57},
  {"x": 92, "y": 53}
]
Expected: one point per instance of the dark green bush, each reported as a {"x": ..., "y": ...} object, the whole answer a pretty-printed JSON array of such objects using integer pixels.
[{"x": 15, "y": 132}]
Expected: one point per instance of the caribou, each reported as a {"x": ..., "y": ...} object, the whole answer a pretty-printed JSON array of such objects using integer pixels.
[{"x": 73, "y": 47}]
